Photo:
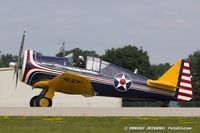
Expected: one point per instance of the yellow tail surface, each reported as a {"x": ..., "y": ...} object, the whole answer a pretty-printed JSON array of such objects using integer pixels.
[
  {"x": 177, "y": 78},
  {"x": 168, "y": 80}
]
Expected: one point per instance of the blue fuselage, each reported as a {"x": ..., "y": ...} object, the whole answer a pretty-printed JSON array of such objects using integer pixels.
[{"x": 37, "y": 67}]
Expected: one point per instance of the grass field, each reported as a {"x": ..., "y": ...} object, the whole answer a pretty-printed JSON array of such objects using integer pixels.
[{"x": 99, "y": 124}]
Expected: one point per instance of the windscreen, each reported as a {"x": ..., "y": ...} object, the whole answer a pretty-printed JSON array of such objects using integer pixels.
[{"x": 54, "y": 61}]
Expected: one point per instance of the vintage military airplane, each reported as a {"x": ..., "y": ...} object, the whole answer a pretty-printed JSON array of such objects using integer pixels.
[{"x": 98, "y": 78}]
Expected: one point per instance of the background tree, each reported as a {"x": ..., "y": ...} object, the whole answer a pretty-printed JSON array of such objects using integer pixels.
[
  {"x": 159, "y": 70},
  {"x": 77, "y": 52},
  {"x": 130, "y": 57},
  {"x": 6, "y": 59},
  {"x": 194, "y": 60}
]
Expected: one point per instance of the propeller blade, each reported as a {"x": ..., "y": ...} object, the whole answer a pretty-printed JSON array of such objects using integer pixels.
[
  {"x": 19, "y": 59},
  {"x": 21, "y": 47},
  {"x": 16, "y": 80},
  {"x": 14, "y": 73},
  {"x": 20, "y": 51}
]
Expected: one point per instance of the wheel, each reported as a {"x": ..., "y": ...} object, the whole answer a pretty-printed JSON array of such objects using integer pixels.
[
  {"x": 43, "y": 102},
  {"x": 33, "y": 99}
]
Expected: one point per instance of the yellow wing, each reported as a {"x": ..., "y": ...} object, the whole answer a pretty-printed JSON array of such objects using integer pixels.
[{"x": 68, "y": 83}]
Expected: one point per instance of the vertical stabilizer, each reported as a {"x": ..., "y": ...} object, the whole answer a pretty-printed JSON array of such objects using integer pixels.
[{"x": 184, "y": 92}]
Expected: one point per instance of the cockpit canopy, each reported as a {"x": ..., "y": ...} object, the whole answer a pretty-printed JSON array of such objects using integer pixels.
[
  {"x": 109, "y": 70},
  {"x": 54, "y": 61}
]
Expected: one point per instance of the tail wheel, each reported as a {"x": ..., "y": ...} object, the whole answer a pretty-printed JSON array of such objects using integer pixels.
[
  {"x": 33, "y": 99},
  {"x": 43, "y": 102}
]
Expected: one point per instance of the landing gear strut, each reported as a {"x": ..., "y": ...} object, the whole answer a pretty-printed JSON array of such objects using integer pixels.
[{"x": 44, "y": 99}]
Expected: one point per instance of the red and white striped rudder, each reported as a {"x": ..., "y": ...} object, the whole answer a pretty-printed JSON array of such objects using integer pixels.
[{"x": 184, "y": 92}]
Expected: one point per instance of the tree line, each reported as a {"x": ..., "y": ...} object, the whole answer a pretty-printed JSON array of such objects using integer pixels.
[{"x": 5, "y": 59}]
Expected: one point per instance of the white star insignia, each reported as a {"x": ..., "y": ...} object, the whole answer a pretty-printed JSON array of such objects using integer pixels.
[{"x": 122, "y": 81}]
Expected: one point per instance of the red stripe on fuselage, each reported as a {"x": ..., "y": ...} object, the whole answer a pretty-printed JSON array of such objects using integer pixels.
[
  {"x": 32, "y": 66},
  {"x": 26, "y": 69}
]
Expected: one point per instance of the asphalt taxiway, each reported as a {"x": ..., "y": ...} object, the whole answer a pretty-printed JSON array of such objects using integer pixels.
[{"x": 54, "y": 111}]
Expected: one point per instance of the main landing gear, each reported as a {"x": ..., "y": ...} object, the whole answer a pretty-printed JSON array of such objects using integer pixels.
[{"x": 42, "y": 100}]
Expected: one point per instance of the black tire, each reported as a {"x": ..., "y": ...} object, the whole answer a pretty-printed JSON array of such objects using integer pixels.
[
  {"x": 43, "y": 102},
  {"x": 33, "y": 99}
]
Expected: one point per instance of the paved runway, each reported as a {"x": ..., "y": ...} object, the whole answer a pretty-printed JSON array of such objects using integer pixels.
[{"x": 25, "y": 111}]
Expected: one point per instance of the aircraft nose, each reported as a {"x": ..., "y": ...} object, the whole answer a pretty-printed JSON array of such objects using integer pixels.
[{"x": 12, "y": 64}]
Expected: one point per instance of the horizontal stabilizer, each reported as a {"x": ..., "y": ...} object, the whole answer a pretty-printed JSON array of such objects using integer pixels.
[
  {"x": 162, "y": 85},
  {"x": 169, "y": 80}
]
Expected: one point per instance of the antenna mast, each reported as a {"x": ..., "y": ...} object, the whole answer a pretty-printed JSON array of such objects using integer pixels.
[{"x": 62, "y": 49}]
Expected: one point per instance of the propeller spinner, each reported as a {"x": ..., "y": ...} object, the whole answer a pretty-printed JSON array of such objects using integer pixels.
[{"x": 17, "y": 65}]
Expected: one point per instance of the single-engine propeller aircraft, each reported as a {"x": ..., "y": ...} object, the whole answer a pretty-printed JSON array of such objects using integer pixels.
[{"x": 97, "y": 78}]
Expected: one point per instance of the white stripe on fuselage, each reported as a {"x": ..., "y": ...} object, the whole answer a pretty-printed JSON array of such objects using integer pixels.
[
  {"x": 42, "y": 69},
  {"x": 35, "y": 64},
  {"x": 23, "y": 65},
  {"x": 36, "y": 70}
]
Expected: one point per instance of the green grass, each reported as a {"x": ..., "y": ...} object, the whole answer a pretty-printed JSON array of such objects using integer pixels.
[{"x": 95, "y": 124}]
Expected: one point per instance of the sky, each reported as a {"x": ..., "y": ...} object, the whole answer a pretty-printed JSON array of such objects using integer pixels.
[{"x": 166, "y": 29}]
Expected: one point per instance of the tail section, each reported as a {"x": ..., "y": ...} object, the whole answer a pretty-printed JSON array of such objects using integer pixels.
[
  {"x": 177, "y": 79},
  {"x": 184, "y": 91}
]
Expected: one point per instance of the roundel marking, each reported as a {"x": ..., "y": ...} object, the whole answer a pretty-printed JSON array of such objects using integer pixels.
[{"x": 122, "y": 82}]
